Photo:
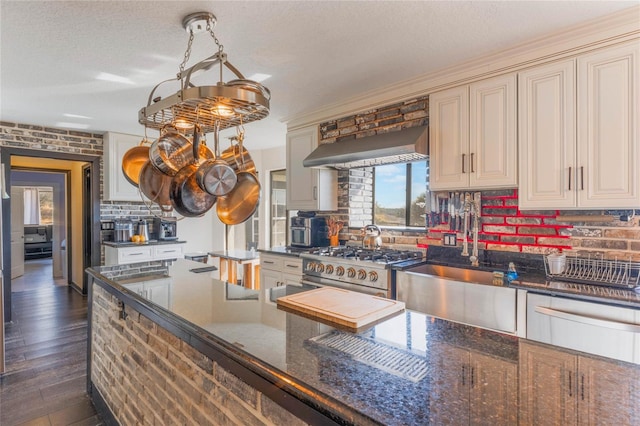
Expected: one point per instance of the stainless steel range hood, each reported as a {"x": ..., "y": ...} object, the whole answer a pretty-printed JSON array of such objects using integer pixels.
[{"x": 396, "y": 147}]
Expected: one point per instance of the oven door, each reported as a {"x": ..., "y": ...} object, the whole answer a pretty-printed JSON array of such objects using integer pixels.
[
  {"x": 300, "y": 236},
  {"x": 324, "y": 282}
]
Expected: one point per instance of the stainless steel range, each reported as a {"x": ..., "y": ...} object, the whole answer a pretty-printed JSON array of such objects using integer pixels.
[{"x": 353, "y": 268}]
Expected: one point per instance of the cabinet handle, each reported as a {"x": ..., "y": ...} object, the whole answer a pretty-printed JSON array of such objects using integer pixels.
[
  {"x": 268, "y": 262},
  {"x": 472, "y": 378},
  {"x": 471, "y": 163},
  {"x": 135, "y": 254},
  {"x": 569, "y": 178},
  {"x": 463, "y": 378},
  {"x": 315, "y": 192},
  {"x": 582, "y": 387},
  {"x": 581, "y": 178},
  {"x": 463, "y": 164},
  {"x": 570, "y": 385},
  {"x": 293, "y": 266}
]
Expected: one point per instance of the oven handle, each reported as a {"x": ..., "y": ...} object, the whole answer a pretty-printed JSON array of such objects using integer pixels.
[
  {"x": 348, "y": 286},
  {"x": 584, "y": 319}
]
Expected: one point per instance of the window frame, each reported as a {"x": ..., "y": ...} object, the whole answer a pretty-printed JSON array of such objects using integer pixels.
[{"x": 407, "y": 202}]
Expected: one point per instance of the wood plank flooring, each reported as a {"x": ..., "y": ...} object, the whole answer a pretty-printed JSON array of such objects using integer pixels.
[{"x": 46, "y": 344}]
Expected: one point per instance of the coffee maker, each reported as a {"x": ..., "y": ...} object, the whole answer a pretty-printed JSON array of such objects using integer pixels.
[{"x": 166, "y": 228}]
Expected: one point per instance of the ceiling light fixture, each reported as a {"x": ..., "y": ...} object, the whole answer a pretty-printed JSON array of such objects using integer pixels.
[{"x": 236, "y": 102}]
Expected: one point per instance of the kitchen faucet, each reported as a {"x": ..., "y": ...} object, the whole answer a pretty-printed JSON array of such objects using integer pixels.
[{"x": 472, "y": 206}]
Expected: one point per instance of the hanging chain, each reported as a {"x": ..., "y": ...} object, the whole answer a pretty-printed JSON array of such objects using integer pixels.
[
  {"x": 187, "y": 52},
  {"x": 215, "y": 39}
]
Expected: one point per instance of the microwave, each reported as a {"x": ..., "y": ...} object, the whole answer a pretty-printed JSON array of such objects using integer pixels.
[{"x": 309, "y": 232}]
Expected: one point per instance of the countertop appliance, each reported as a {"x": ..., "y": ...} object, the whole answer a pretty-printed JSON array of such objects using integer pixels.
[
  {"x": 165, "y": 228},
  {"x": 309, "y": 231},
  {"x": 123, "y": 230},
  {"x": 143, "y": 230},
  {"x": 353, "y": 268}
]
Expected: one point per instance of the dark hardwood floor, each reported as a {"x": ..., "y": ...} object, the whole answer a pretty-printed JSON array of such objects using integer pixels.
[{"x": 46, "y": 344}]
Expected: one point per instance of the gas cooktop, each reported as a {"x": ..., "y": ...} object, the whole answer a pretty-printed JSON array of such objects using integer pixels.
[{"x": 380, "y": 255}]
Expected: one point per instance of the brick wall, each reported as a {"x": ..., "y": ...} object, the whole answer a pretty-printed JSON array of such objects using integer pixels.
[
  {"x": 148, "y": 376},
  {"x": 33, "y": 137},
  {"x": 355, "y": 186}
]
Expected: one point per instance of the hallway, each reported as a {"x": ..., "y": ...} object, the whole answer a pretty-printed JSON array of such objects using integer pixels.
[{"x": 45, "y": 381}]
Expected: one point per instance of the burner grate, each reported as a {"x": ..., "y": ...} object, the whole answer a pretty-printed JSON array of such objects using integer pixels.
[{"x": 386, "y": 358}]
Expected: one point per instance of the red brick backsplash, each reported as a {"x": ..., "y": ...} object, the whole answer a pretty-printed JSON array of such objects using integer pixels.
[{"x": 504, "y": 227}]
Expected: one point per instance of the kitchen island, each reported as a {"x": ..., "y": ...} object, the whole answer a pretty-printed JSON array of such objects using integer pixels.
[{"x": 218, "y": 353}]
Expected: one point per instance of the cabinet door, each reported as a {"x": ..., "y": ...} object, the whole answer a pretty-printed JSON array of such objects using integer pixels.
[
  {"x": 492, "y": 137},
  {"x": 450, "y": 387},
  {"x": 547, "y": 136},
  {"x": 608, "y": 127},
  {"x": 449, "y": 139},
  {"x": 608, "y": 393},
  {"x": 547, "y": 386},
  {"x": 494, "y": 391},
  {"x": 270, "y": 278},
  {"x": 292, "y": 279},
  {"x": 116, "y": 186},
  {"x": 159, "y": 291},
  {"x": 308, "y": 188}
]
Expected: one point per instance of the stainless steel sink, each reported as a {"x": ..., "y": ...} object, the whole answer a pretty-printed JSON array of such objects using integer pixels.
[{"x": 456, "y": 274}]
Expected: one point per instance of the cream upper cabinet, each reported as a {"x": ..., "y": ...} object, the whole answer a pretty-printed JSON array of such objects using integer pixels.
[
  {"x": 473, "y": 135},
  {"x": 116, "y": 186},
  {"x": 608, "y": 127},
  {"x": 578, "y": 131},
  {"x": 449, "y": 139},
  {"x": 308, "y": 188},
  {"x": 547, "y": 136}
]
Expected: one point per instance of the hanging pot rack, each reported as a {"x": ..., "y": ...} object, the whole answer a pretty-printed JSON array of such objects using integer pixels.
[{"x": 224, "y": 105}]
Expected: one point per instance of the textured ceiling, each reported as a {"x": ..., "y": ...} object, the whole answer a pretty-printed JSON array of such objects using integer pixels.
[{"x": 318, "y": 53}]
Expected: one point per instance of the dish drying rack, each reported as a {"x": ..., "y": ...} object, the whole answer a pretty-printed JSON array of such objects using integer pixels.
[{"x": 610, "y": 273}]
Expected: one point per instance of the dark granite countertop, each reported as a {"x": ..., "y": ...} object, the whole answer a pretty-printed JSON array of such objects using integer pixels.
[
  {"x": 394, "y": 373},
  {"x": 146, "y": 243},
  {"x": 284, "y": 251}
]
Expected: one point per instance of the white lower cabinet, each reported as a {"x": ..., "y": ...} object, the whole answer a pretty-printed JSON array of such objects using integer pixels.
[
  {"x": 144, "y": 253},
  {"x": 276, "y": 270},
  {"x": 157, "y": 291}
]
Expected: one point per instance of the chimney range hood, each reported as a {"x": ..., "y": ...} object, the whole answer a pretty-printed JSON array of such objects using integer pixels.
[{"x": 395, "y": 147}]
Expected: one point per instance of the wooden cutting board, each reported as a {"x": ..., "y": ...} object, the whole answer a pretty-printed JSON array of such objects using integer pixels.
[{"x": 338, "y": 306}]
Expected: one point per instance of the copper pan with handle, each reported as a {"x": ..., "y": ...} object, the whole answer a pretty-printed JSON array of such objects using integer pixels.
[
  {"x": 237, "y": 155},
  {"x": 155, "y": 186},
  {"x": 133, "y": 160},
  {"x": 172, "y": 151},
  {"x": 242, "y": 202},
  {"x": 187, "y": 197}
]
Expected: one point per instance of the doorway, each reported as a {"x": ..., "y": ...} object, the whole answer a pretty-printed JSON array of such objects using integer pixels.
[
  {"x": 39, "y": 223},
  {"x": 86, "y": 222}
]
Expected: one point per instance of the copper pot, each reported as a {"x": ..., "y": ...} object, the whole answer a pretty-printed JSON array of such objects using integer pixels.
[
  {"x": 155, "y": 186},
  {"x": 172, "y": 151},
  {"x": 133, "y": 160},
  {"x": 187, "y": 197},
  {"x": 216, "y": 176},
  {"x": 241, "y": 203}
]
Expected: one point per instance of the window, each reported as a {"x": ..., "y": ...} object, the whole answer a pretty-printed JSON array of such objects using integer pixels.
[
  {"x": 38, "y": 206},
  {"x": 400, "y": 192}
]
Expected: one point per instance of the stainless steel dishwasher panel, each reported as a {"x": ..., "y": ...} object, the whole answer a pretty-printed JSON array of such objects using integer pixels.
[{"x": 599, "y": 329}]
